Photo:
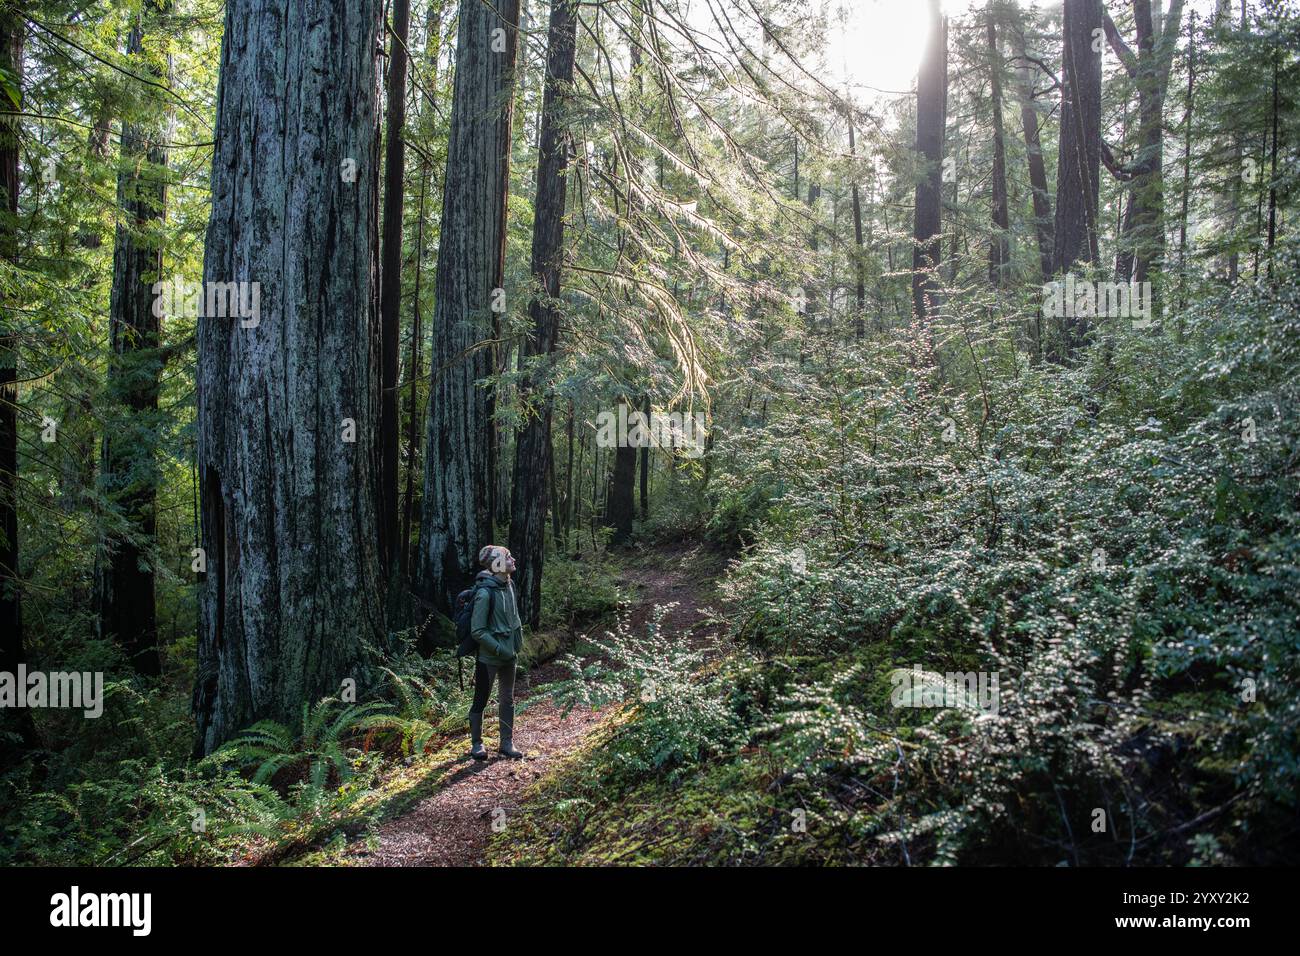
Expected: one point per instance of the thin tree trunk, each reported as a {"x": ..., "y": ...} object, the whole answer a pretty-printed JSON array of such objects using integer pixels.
[
  {"x": 460, "y": 434},
  {"x": 859, "y": 321},
  {"x": 288, "y": 406},
  {"x": 595, "y": 490},
  {"x": 554, "y": 497},
  {"x": 390, "y": 279},
  {"x": 1187, "y": 160},
  {"x": 433, "y": 41},
  {"x": 927, "y": 240},
  {"x": 999, "y": 244},
  {"x": 1272, "y": 181},
  {"x": 413, "y": 380},
  {"x": 645, "y": 466},
  {"x": 568, "y": 481},
  {"x": 129, "y": 473}
]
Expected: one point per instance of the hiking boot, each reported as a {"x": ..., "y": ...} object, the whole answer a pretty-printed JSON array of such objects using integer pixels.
[
  {"x": 508, "y": 748},
  {"x": 476, "y": 737}
]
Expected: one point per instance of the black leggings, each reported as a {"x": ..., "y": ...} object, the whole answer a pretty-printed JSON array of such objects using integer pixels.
[{"x": 484, "y": 675}]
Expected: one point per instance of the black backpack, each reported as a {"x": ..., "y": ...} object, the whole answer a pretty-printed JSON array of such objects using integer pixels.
[{"x": 466, "y": 645}]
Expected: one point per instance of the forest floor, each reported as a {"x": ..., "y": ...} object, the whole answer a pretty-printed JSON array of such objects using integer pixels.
[{"x": 447, "y": 818}]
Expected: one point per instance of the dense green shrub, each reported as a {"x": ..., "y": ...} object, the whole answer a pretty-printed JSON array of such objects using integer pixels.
[
  {"x": 575, "y": 594},
  {"x": 681, "y": 712},
  {"x": 1116, "y": 540}
]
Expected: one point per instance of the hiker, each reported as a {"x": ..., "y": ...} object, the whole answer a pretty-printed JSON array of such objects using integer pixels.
[{"x": 495, "y": 626}]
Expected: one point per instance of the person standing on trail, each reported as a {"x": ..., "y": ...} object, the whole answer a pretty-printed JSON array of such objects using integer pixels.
[{"x": 495, "y": 625}]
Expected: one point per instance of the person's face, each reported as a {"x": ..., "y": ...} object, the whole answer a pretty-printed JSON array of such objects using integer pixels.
[{"x": 503, "y": 562}]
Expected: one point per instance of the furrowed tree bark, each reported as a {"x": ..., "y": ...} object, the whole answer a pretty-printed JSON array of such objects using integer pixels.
[
  {"x": 459, "y": 439},
  {"x": 931, "y": 82},
  {"x": 12, "y": 651},
  {"x": 390, "y": 278},
  {"x": 1079, "y": 164},
  {"x": 1042, "y": 199},
  {"x": 999, "y": 243},
  {"x": 128, "y": 474},
  {"x": 531, "y": 486},
  {"x": 290, "y": 506}
]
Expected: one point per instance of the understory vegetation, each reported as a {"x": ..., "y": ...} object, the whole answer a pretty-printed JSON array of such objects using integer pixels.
[{"x": 1116, "y": 542}]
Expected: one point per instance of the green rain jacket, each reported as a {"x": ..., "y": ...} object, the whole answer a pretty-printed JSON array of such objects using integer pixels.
[{"x": 500, "y": 636}]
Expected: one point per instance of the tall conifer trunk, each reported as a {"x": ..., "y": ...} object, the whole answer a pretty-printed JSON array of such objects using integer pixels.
[
  {"x": 288, "y": 409},
  {"x": 531, "y": 486}
]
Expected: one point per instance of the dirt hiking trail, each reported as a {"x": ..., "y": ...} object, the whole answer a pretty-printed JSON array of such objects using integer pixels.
[{"x": 452, "y": 826}]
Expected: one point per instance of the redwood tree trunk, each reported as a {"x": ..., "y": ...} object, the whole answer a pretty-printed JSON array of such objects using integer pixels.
[
  {"x": 1079, "y": 163},
  {"x": 129, "y": 474},
  {"x": 293, "y": 588},
  {"x": 12, "y": 652},
  {"x": 459, "y": 438},
  {"x": 619, "y": 504},
  {"x": 999, "y": 243},
  {"x": 1037, "y": 169},
  {"x": 390, "y": 273},
  {"x": 533, "y": 465}
]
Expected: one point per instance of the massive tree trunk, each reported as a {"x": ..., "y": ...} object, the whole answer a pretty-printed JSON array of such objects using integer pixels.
[
  {"x": 1079, "y": 162},
  {"x": 1034, "y": 154},
  {"x": 459, "y": 436},
  {"x": 1078, "y": 167},
  {"x": 931, "y": 82},
  {"x": 533, "y": 450},
  {"x": 129, "y": 474},
  {"x": 999, "y": 242},
  {"x": 390, "y": 278},
  {"x": 12, "y": 652},
  {"x": 288, "y": 404}
]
